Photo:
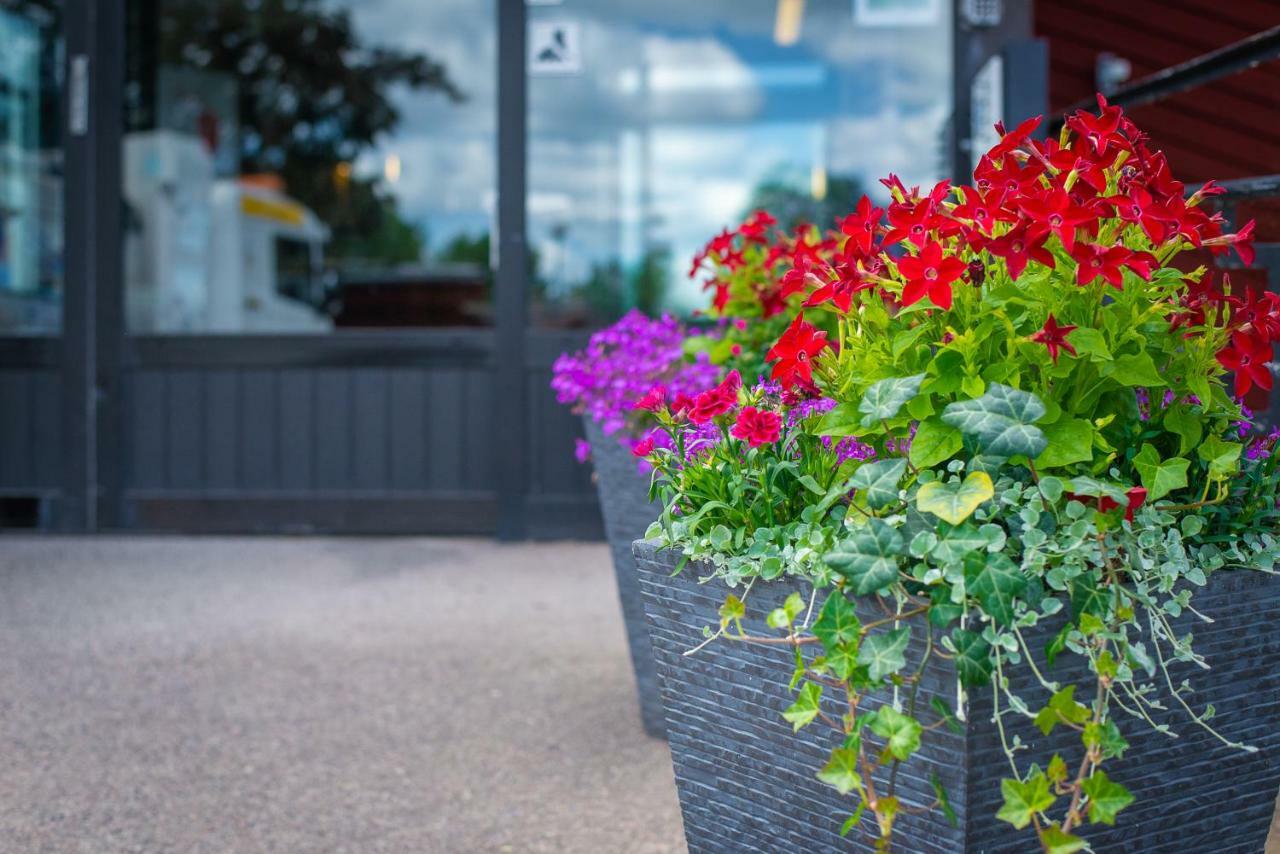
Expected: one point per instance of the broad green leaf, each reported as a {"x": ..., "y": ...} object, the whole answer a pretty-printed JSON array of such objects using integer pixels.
[
  {"x": 1137, "y": 369},
  {"x": 934, "y": 442},
  {"x": 879, "y": 480},
  {"x": 957, "y": 542},
  {"x": 1055, "y": 840},
  {"x": 844, "y": 420},
  {"x": 1105, "y": 798},
  {"x": 1223, "y": 457},
  {"x": 955, "y": 502},
  {"x": 996, "y": 581},
  {"x": 1091, "y": 343},
  {"x": 868, "y": 558},
  {"x": 1024, "y": 800},
  {"x": 1002, "y": 421},
  {"x": 882, "y": 653},
  {"x": 802, "y": 712},
  {"x": 841, "y": 771},
  {"x": 837, "y": 624},
  {"x": 973, "y": 657},
  {"x": 1179, "y": 419},
  {"x": 1070, "y": 441},
  {"x": 943, "y": 801},
  {"x": 883, "y": 399},
  {"x": 900, "y": 732},
  {"x": 1062, "y": 707},
  {"x": 1160, "y": 477},
  {"x": 1089, "y": 487}
]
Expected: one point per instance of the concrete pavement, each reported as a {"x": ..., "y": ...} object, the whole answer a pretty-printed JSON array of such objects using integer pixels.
[{"x": 335, "y": 695}]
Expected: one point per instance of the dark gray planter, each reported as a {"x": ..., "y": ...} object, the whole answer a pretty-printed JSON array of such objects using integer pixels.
[
  {"x": 624, "y": 503},
  {"x": 746, "y": 783}
]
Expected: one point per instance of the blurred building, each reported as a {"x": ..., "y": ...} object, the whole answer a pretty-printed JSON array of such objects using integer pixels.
[{"x": 303, "y": 266}]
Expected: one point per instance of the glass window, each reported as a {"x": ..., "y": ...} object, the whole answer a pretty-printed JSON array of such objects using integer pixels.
[
  {"x": 308, "y": 165},
  {"x": 656, "y": 124},
  {"x": 31, "y": 264}
]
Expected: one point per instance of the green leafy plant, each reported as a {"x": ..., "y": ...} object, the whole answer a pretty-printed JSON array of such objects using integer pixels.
[{"x": 1012, "y": 411}]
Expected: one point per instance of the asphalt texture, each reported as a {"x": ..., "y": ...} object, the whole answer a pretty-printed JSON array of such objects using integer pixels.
[{"x": 327, "y": 695}]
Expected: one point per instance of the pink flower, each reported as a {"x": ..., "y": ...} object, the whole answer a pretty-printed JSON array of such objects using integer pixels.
[
  {"x": 757, "y": 427},
  {"x": 643, "y": 448}
]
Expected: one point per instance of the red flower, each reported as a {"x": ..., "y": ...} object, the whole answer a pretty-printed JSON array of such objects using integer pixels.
[
  {"x": 1139, "y": 206},
  {"x": 1247, "y": 355},
  {"x": 930, "y": 274},
  {"x": 756, "y": 426},
  {"x": 1014, "y": 138},
  {"x": 860, "y": 226},
  {"x": 1055, "y": 211},
  {"x": 654, "y": 399},
  {"x": 983, "y": 209},
  {"x": 643, "y": 448},
  {"x": 1137, "y": 497},
  {"x": 794, "y": 353},
  {"x": 717, "y": 401},
  {"x": 1095, "y": 261},
  {"x": 1054, "y": 338},
  {"x": 756, "y": 227},
  {"x": 1019, "y": 246},
  {"x": 1102, "y": 130}
]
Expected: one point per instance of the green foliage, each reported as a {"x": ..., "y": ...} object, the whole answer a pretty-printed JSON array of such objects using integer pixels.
[
  {"x": 901, "y": 733},
  {"x": 884, "y": 399},
  {"x": 1024, "y": 800},
  {"x": 1105, "y": 797},
  {"x": 954, "y": 501},
  {"x": 868, "y": 558},
  {"x": 879, "y": 481},
  {"x": 802, "y": 712},
  {"x": 1001, "y": 421}
]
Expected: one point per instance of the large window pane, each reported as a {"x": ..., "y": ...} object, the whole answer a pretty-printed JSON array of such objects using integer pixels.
[
  {"x": 655, "y": 124},
  {"x": 308, "y": 165},
  {"x": 31, "y": 268}
]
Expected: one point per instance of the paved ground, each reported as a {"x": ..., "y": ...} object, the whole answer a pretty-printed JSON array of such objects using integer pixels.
[{"x": 331, "y": 695}]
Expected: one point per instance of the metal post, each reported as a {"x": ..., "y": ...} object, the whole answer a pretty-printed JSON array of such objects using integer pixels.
[{"x": 510, "y": 298}]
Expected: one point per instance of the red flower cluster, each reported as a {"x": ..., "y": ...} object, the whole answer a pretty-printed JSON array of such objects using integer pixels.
[
  {"x": 794, "y": 352},
  {"x": 757, "y": 426}
]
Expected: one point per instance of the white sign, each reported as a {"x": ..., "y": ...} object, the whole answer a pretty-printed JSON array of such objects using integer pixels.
[
  {"x": 555, "y": 47},
  {"x": 896, "y": 13}
]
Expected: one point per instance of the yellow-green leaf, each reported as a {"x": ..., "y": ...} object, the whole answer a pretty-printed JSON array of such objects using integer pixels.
[{"x": 955, "y": 502}]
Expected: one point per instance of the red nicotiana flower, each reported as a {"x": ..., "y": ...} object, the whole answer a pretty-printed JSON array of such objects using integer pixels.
[
  {"x": 930, "y": 274},
  {"x": 1054, "y": 338},
  {"x": 1139, "y": 206},
  {"x": 1014, "y": 138},
  {"x": 757, "y": 426},
  {"x": 794, "y": 353},
  {"x": 757, "y": 226},
  {"x": 984, "y": 210},
  {"x": 860, "y": 226},
  {"x": 654, "y": 399},
  {"x": 716, "y": 401},
  {"x": 1056, "y": 211},
  {"x": 1019, "y": 246},
  {"x": 1101, "y": 131},
  {"x": 1105, "y": 261},
  {"x": 1247, "y": 355},
  {"x": 1135, "y": 496}
]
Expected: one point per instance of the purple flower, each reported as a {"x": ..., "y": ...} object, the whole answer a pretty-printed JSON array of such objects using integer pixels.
[
  {"x": 581, "y": 450},
  {"x": 622, "y": 362}
]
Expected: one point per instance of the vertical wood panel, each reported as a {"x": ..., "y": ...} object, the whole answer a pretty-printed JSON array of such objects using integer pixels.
[
  {"x": 480, "y": 472},
  {"x": 297, "y": 428},
  {"x": 48, "y": 422},
  {"x": 371, "y": 444},
  {"x": 258, "y": 431},
  {"x": 333, "y": 429},
  {"x": 408, "y": 429},
  {"x": 16, "y": 469},
  {"x": 221, "y": 428},
  {"x": 147, "y": 419},
  {"x": 445, "y": 429},
  {"x": 184, "y": 409}
]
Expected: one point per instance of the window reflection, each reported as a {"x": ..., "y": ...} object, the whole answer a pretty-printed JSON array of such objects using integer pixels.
[
  {"x": 307, "y": 165},
  {"x": 682, "y": 117},
  {"x": 31, "y": 178}
]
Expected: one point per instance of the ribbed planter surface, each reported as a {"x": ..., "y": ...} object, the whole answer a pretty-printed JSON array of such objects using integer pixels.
[
  {"x": 624, "y": 503},
  {"x": 746, "y": 783}
]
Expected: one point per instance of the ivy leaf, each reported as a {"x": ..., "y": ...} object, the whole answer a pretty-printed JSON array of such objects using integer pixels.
[
  {"x": 900, "y": 732},
  {"x": 883, "y": 399},
  {"x": 732, "y": 610},
  {"x": 802, "y": 712},
  {"x": 1062, "y": 707},
  {"x": 934, "y": 442},
  {"x": 882, "y": 653},
  {"x": 879, "y": 480},
  {"x": 1024, "y": 800},
  {"x": 841, "y": 771},
  {"x": 1002, "y": 421},
  {"x": 1105, "y": 798},
  {"x": 1070, "y": 441},
  {"x": 954, "y": 544},
  {"x": 1160, "y": 477},
  {"x": 1137, "y": 369},
  {"x": 996, "y": 581},
  {"x": 1057, "y": 841},
  {"x": 1223, "y": 457},
  {"x": 837, "y": 623},
  {"x": 1179, "y": 419},
  {"x": 1057, "y": 771},
  {"x": 868, "y": 558},
  {"x": 973, "y": 657},
  {"x": 943, "y": 801},
  {"x": 955, "y": 502}
]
